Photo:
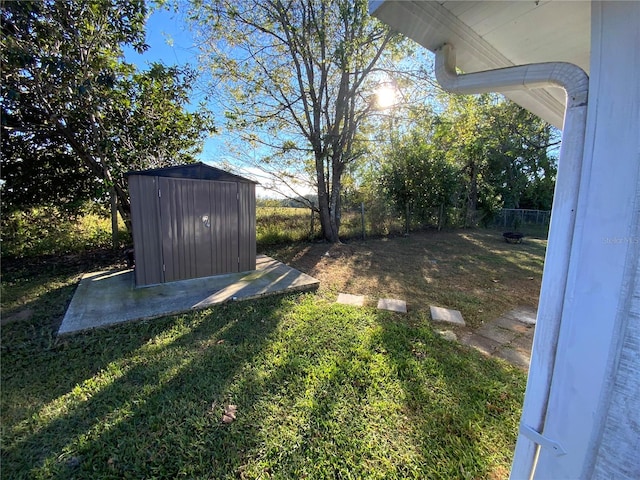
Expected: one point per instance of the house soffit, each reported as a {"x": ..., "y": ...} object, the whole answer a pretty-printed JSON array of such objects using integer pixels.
[{"x": 496, "y": 34}]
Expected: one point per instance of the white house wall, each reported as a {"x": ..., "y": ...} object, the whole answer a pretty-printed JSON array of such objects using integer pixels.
[
  {"x": 622, "y": 422},
  {"x": 594, "y": 402}
]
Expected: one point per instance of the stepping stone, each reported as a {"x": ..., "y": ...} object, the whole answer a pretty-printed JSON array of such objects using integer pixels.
[
  {"x": 448, "y": 335},
  {"x": 392, "y": 305},
  {"x": 482, "y": 344},
  {"x": 348, "y": 299},
  {"x": 523, "y": 342},
  {"x": 520, "y": 358},
  {"x": 514, "y": 325},
  {"x": 439, "y": 314}
]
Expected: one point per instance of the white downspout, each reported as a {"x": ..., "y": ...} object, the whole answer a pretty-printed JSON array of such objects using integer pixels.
[{"x": 575, "y": 82}]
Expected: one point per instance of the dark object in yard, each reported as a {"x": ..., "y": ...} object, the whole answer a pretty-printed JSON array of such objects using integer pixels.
[
  {"x": 191, "y": 221},
  {"x": 131, "y": 259},
  {"x": 513, "y": 237}
]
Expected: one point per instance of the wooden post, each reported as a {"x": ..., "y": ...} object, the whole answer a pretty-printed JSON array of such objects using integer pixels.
[
  {"x": 114, "y": 218},
  {"x": 311, "y": 224},
  {"x": 363, "y": 224}
]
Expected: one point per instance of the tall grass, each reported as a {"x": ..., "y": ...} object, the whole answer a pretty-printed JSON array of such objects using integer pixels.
[
  {"x": 48, "y": 231},
  {"x": 276, "y": 225}
]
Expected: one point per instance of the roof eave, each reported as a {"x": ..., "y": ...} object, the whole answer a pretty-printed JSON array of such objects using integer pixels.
[{"x": 431, "y": 25}]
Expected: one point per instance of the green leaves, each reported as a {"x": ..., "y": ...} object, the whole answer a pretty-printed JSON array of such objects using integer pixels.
[
  {"x": 297, "y": 72},
  {"x": 417, "y": 176},
  {"x": 507, "y": 148},
  {"x": 70, "y": 103},
  {"x": 480, "y": 154}
]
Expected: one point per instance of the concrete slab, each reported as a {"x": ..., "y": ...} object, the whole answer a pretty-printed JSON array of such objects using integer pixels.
[
  {"x": 494, "y": 332},
  {"x": 439, "y": 314},
  {"x": 106, "y": 298},
  {"x": 512, "y": 324},
  {"x": 480, "y": 343},
  {"x": 393, "y": 305},
  {"x": 348, "y": 299},
  {"x": 523, "y": 342},
  {"x": 518, "y": 357},
  {"x": 524, "y": 314}
]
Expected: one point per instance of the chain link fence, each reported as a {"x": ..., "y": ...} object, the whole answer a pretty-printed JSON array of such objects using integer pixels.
[
  {"x": 512, "y": 218},
  {"x": 376, "y": 219},
  {"x": 370, "y": 220}
]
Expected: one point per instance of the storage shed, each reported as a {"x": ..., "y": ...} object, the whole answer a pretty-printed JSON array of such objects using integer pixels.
[{"x": 191, "y": 221}]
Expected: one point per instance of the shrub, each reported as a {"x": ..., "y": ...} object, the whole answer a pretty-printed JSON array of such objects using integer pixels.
[{"x": 48, "y": 231}]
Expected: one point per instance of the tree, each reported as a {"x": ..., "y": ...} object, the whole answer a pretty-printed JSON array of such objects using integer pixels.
[
  {"x": 464, "y": 133},
  {"x": 501, "y": 150},
  {"x": 521, "y": 168},
  {"x": 301, "y": 76},
  {"x": 69, "y": 101},
  {"x": 39, "y": 172},
  {"x": 417, "y": 178}
]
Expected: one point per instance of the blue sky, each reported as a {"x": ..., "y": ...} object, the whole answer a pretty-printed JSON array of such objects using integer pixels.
[
  {"x": 169, "y": 40},
  {"x": 171, "y": 43}
]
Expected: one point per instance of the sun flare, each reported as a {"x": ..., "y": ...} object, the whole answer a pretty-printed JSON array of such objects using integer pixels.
[{"x": 386, "y": 96}]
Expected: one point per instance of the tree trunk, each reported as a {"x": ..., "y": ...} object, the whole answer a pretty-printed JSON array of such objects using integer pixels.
[
  {"x": 335, "y": 203},
  {"x": 100, "y": 170},
  {"x": 328, "y": 200},
  {"x": 407, "y": 219},
  {"x": 114, "y": 218},
  {"x": 472, "y": 196},
  {"x": 312, "y": 222},
  {"x": 327, "y": 220},
  {"x": 323, "y": 195}
]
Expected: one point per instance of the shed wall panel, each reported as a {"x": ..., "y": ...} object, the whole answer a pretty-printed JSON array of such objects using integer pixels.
[
  {"x": 145, "y": 221},
  {"x": 247, "y": 225},
  {"x": 204, "y": 248},
  {"x": 181, "y": 213},
  {"x": 224, "y": 196},
  {"x": 188, "y": 228},
  {"x": 199, "y": 228}
]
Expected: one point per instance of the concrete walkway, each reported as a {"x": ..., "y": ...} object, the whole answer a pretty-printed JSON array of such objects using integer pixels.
[
  {"x": 509, "y": 337},
  {"x": 107, "y": 298}
]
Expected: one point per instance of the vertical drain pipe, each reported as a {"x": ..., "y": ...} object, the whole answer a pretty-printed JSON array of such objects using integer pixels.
[{"x": 575, "y": 82}]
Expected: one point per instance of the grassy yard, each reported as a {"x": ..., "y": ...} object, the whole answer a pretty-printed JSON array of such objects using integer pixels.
[
  {"x": 321, "y": 390},
  {"x": 474, "y": 271}
]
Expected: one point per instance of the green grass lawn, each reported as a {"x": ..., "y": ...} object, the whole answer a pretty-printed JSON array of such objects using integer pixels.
[{"x": 321, "y": 390}]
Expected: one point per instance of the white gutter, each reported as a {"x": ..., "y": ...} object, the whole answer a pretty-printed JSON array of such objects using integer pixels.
[{"x": 575, "y": 82}]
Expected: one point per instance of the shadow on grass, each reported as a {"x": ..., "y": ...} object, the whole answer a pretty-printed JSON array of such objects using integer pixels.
[
  {"x": 148, "y": 410},
  {"x": 35, "y": 360},
  {"x": 473, "y": 271},
  {"x": 323, "y": 391},
  {"x": 463, "y": 408}
]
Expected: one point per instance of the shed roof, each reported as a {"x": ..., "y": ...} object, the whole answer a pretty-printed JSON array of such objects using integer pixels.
[
  {"x": 489, "y": 35},
  {"x": 193, "y": 171}
]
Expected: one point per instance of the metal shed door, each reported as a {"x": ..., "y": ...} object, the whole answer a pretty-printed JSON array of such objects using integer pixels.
[{"x": 199, "y": 227}]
